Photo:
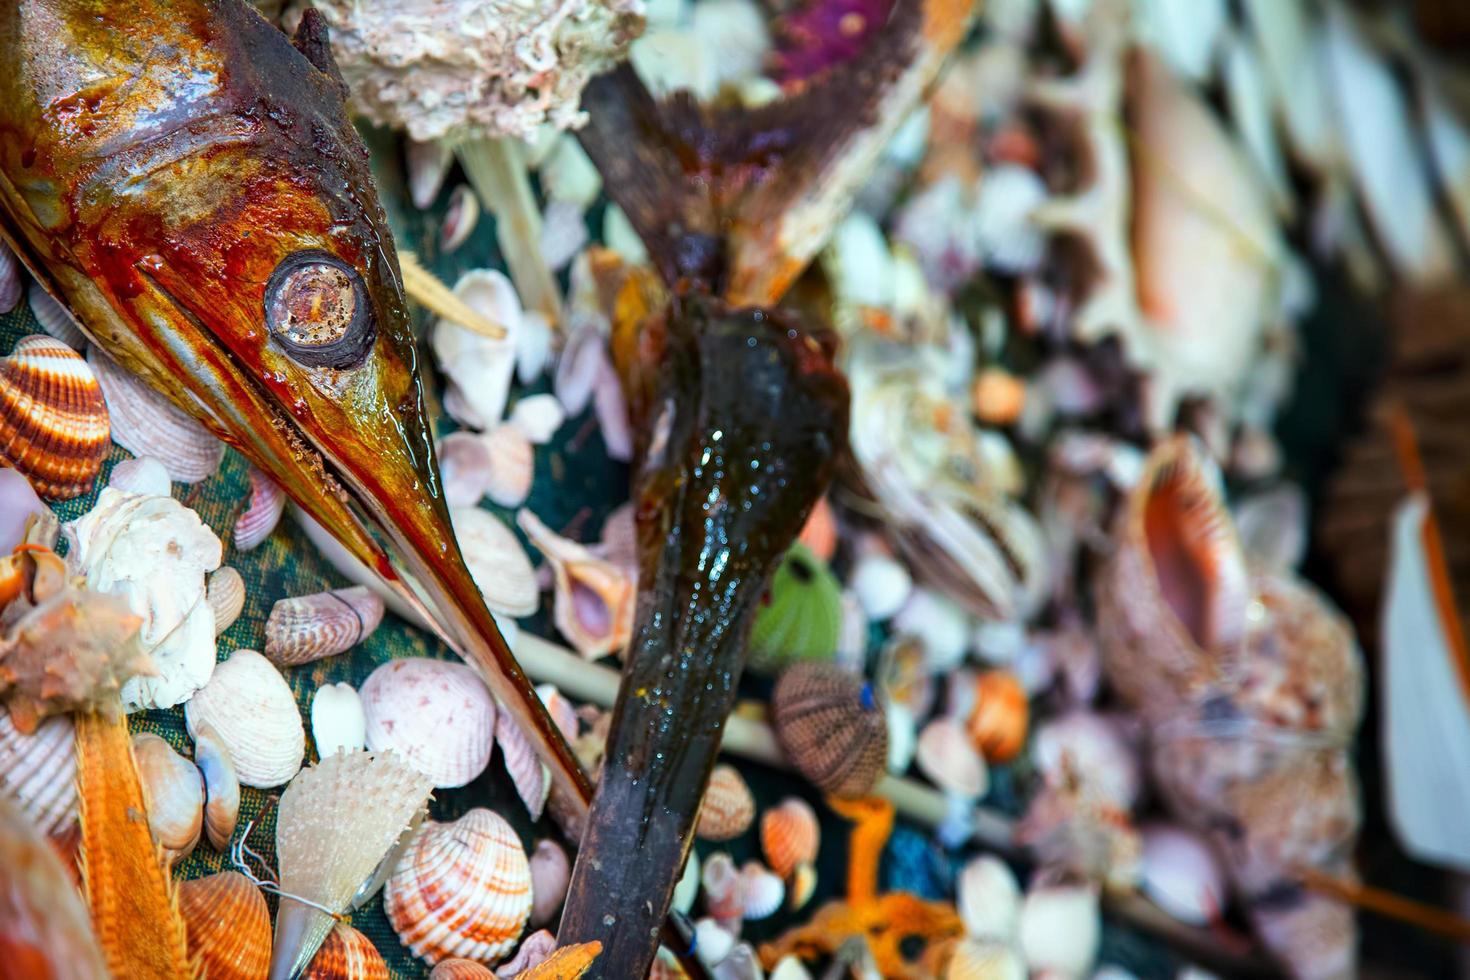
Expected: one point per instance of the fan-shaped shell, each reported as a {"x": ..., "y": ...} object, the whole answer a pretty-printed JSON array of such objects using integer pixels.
[
  {"x": 253, "y": 712},
  {"x": 729, "y": 808},
  {"x": 551, "y": 873},
  {"x": 229, "y": 926},
  {"x": 147, "y": 424},
  {"x": 347, "y": 955},
  {"x": 761, "y": 891},
  {"x": 802, "y": 616},
  {"x": 39, "y": 771},
  {"x": 790, "y": 835},
  {"x": 831, "y": 728},
  {"x": 999, "y": 718},
  {"x": 54, "y": 424},
  {"x": 173, "y": 792},
  {"x": 438, "y": 716},
  {"x": 946, "y": 756},
  {"x": 461, "y": 889},
  {"x": 262, "y": 513},
  {"x": 54, "y": 318},
  {"x": 311, "y": 627},
  {"x": 496, "y": 561},
  {"x": 221, "y": 787},
  {"x": 225, "y": 594},
  {"x": 458, "y": 968}
]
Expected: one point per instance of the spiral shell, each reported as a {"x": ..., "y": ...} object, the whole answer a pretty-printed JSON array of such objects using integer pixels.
[
  {"x": 728, "y": 809},
  {"x": 461, "y": 889},
  {"x": 39, "y": 771},
  {"x": 458, "y": 968},
  {"x": 221, "y": 787},
  {"x": 347, "y": 955},
  {"x": 790, "y": 835},
  {"x": 147, "y": 424},
  {"x": 252, "y": 710},
  {"x": 225, "y": 594},
  {"x": 438, "y": 716},
  {"x": 311, "y": 627},
  {"x": 594, "y": 598},
  {"x": 53, "y": 423},
  {"x": 803, "y": 615},
  {"x": 831, "y": 728},
  {"x": 229, "y": 926},
  {"x": 261, "y": 514},
  {"x": 999, "y": 718},
  {"x": 173, "y": 793}
]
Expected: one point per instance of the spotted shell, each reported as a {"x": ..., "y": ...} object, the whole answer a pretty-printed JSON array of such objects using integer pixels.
[
  {"x": 262, "y": 513},
  {"x": 438, "y": 716},
  {"x": 790, "y": 835},
  {"x": 147, "y": 424},
  {"x": 831, "y": 728},
  {"x": 225, "y": 593},
  {"x": 729, "y": 807},
  {"x": 173, "y": 793},
  {"x": 347, "y": 955},
  {"x": 999, "y": 718},
  {"x": 802, "y": 616},
  {"x": 311, "y": 627},
  {"x": 39, "y": 771},
  {"x": 54, "y": 425},
  {"x": 461, "y": 889},
  {"x": 458, "y": 968},
  {"x": 228, "y": 924},
  {"x": 252, "y": 710}
]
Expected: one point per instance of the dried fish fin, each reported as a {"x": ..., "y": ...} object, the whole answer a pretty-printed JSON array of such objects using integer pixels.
[
  {"x": 313, "y": 40},
  {"x": 567, "y": 963}
]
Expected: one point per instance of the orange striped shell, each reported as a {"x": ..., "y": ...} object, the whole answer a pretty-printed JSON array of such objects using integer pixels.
[
  {"x": 461, "y": 969},
  {"x": 461, "y": 889},
  {"x": 790, "y": 835},
  {"x": 831, "y": 728},
  {"x": 729, "y": 809},
  {"x": 346, "y": 955},
  {"x": 1000, "y": 717},
  {"x": 53, "y": 422},
  {"x": 228, "y": 924}
]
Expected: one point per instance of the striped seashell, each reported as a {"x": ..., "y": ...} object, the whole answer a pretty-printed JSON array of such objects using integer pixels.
[
  {"x": 551, "y": 872},
  {"x": 460, "y": 218},
  {"x": 312, "y": 627},
  {"x": 790, "y": 835},
  {"x": 221, "y": 787},
  {"x": 225, "y": 593},
  {"x": 12, "y": 282},
  {"x": 461, "y": 889},
  {"x": 974, "y": 960},
  {"x": 594, "y": 598},
  {"x": 528, "y": 774},
  {"x": 728, "y": 809},
  {"x": 261, "y": 514},
  {"x": 254, "y": 714},
  {"x": 228, "y": 924},
  {"x": 147, "y": 424},
  {"x": 512, "y": 465},
  {"x": 54, "y": 318},
  {"x": 347, "y": 955},
  {"x": 438, "y": 716},
  {"x": 141, "y": 475},
  {"x": 722, "y": 888},
  {"x": 951, "y": 762},
  {"x": 761, "y": 890},
  {"x": 496, "y": 561},
  {"x": 831, "y": 728},
  {"x": 53, "y": 422},
  {"x": 458, "y": 968},
  {"x": 802, "y": 617},
  {"x": 173, "y": 793},
  {"x": 1000, "y": 716},
  {"x": 39, "y": 772}
]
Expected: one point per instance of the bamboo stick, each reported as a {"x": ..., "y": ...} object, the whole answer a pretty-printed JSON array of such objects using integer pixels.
[{"x": 426, "y": 289}]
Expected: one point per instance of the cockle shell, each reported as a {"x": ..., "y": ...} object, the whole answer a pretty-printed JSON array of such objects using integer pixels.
[
  {"x": 53, "y": 422},
  {"x": 458, "y": 968},
  {"x": 312, "y": 627},
  {"x": 728, "y": 809},
  {"x": 831, "y": 728},
  {"x": 461, "y": 889},
  {"x": 460, "y": 217},
  {"x": 54, "y": 318},
  {"x": 338, "y": 720},
  {"x": 262, "y": 513},
  {"x": 974, "y": 960},
  {"x": 722, "y": 888},
  {"x": 761, "y": 891},
  {"x": 512, "y": 465},
  {"x": 347, "y": 954},
  {"x": 1181, "y": 874},
  {"x": 225, "y": 593},
  {"x": 551, "y": 872},
  {"x": 438, "y": 716},
  {"x": 951, "y": 761},
  {"x": 39, "y": 772},
  {"x": 253, "y": 713},
  {"x": 999, "y": 717},
  {"x": 594, "y": 598},
  {"x": 147, "y": 424},
  {"x": 988, "y": 899},
  {"x": 229, "y": 925},
  {"x": 496, "y": 561},
  {"x": 221, "y": 787},
  {"x": 801, "y": 617},
  {"x": 173, "y": 792},
  {"x": 790, "y": 835}
]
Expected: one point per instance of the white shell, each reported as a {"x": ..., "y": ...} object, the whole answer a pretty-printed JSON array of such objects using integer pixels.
[
  {"x": 938, "y": 623},
  {"x": 882, "y": 586},
  {"x": 581, "y": 361},
  {"x": 173, "y": 794},
  {"x": 479, "y": 369},
  {"x": 688, "y": 887},
  {"x": 988, "y": 898},
  {"x": 496, "y": 561},
  {"x": 761, "y": 890},
  {"x": 225, "y": 592},
  {"x": 437, "y": 716},
  {"x": 512, "y": 465},
  {"x": 254, "y": 714},
  {"x": 1060, "y": 929},
  {"x": 538, "y": 417},
  {"x": 903, "y": 736},
  {"x": 147, "y": 424},
  {"x": 533, "y": 346},
  {"x": 464, "y": 468},
  {"x": 142, "y": 475},
  {"x": 948, "y": 757},
  {"x": 1090, "y": 747},
  {"x": 338, "y": 723},
  {"x": 39, "y": 771},
  {"x": 712, "y": 943},
  {"x": 1181, "y": 874}
]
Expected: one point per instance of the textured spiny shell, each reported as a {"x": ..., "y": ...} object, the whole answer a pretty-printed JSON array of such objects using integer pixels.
[
  {"x": 729, "y": 808},
  {"x": 262, "y": 513},
  {"x": 252, "y": 710},
  {"x": 790, "y": 835},
  {"x": 54, "y": 318},
  {"x": 311, "y": 627},
  {"x": 173, "y": 792},
  {"x": 438, "y": 716},
  {"x": 831, "y": 728},
  {"x": 147, "y": 424},
  {"x": 226, "y": 596},
  {"x": 40, "y": 771},
  {"x": 461, "y": 889},
  {"x": 53, "y": 422},
  {"x": 802, "y": 617},
  {"x": 229, "y": 925},
  {"x": 347, "y": 955},
  {"x": 999, "y": 719},
  {"x": 459, "y": 968}
]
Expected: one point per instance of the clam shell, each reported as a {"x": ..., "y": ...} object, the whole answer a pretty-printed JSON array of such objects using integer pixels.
[
  {"x": 802, "y": 617},
  {"x": 141, "y": 475},
  {"x": 262, "y": 513},
  {"x": 496, "y": 561},
  {"x": 762, "y": 891},
  {"x": 53, "y": 422},
  {"x": 347, "y": 954},
  {"x": 460, "y": 218},
  {"x": 951, "y": 762},
  {"x": 712, "y": 941},
  {"x": 39, "y": 771},
  {"x": 974, "y": 960},
  {"x": 831, "y": 728},
  {"x": 538, "y": 417},
  {"x": 998, "y": 396},
  {"x": 882, "y": 585},
  {"x": 229, "y": 926},
  {"x": 594, "y": 598},
  {"x": 311, "y": 627},
  {"x": 54, "y": 318},
  {"x": 728, "y": 809},
  {"x": 464, "y": 468},
  {"x": 790, "y": 835},
  {"x": 999, "y": 718},
  {"x": 221, "y": 787},
  {"x": 512, "y": 465},
  {"x": 12, "y": 283},
  {"x": 253, "y": 712},
  {"x": 551, "y": 872},
  {"x": 147, "y": 424},
  {"x": 457, "y": 968},
  {"x": 461, "y": 889},
  {"x": 722, "y": 888},
  {"x": 173, "y": 792},
  {"x": 988, "y": 899},
  {"x": 1060, "y": 929},
  {"x": 225, "y": 593},
  {"x": 338, "y": 721},
  {"x": 438, "y": 716}
]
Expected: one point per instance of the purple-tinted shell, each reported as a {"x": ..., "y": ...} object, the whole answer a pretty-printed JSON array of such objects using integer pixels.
[{"x": 822, "y": 34}]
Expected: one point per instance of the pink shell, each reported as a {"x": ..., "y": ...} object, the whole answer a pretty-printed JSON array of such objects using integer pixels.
[
  {"x": 438, "y": 716},
  {"x": 521, "y": 762},
  {"x": 551, "y": 872},
  {"x": 723, "y": 888},
  {"x": 262, "y": 514}
]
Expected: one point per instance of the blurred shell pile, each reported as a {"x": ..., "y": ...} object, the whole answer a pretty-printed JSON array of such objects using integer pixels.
[{"x": 53, "y": 424}]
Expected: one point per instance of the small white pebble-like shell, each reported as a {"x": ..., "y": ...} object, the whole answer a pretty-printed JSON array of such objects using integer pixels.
[
  {"x": 142, "y": 475},
  {"x": 438, "y": 716},
  {"x": 948, "y": 757},
  {"x": 1181, "y": 874},
  {"x": 939, "y": 624},
  {"x": 1060, "y": 929},
  {"x": 338, "y": 723},
  {"x": 538, "y": 417},
  {"x": 496, "y": 561},
  {"x": 712, "y": 942},
  {"x": 988, "y": 898},
  {"x": 254, "y": 714},
  {"x": 882, "y": 586}
]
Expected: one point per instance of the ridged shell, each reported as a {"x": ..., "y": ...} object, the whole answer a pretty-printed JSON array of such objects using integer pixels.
[
  {"x": 762, "y": 891},
  {"x": 311, "y": 627},
  {"x": 1000, "y": 716},
  {"x": 496, "y": 560},
  {"x": 225, "y": 594},
  {"x": 346, "y": 955},
  {"x": 790, "y": 835},
  {"x": 229, "y": 926},
  {"x": 974, "y": 960},
  {"x": 147, "y": 424},
  {"x": 729, "y": 808},
  {"x": 512, "y": 465},
  {"x": 802, "y": 616},
  {"x": 594, "y": 598},
  {"x": 946, "y": 756},
  {"x": 551, "y": 873},
  {"x": 438, "y": 716},
  {"x": 338, "y": 722},
  {"x": 252, "y": 710},
  {"x": 173, "y": 792},
  {"x": 461, "y": 889},
  {"x": 831, "y": 728},
  {"x": 221, "y": 787},
  {"x": 54, "y": 318},
  {"x": 262, "y": 513},
  {"x": 722, "y": 888},
  {"x": 53, "y": 422},
  {"x": 12, "y": 283},
  {"x": 458, "y": 968},
  {"x": 39, "y": 772},
  {"x": 527, "y": 772}
]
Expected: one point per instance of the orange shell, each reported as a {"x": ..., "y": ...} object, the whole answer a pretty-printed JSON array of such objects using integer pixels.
[
  {"x": 790, "y": 836},
  {"x": 461, "y": 969},
  {"x": 228, "y": 924},
  {"x": 53, "y": 422},
  {"x": 729, "y": 809},
  {"x": 1001, "y": 716},
  {"x": 999, "y": 396},
  {"x": 831, "y": 728},
  {"x": 820, "y": 531},
  {"x": 346, "y": 955}
]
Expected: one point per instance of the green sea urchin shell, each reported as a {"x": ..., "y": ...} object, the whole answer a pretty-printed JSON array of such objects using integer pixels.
[{"x": 802, "y": 614}]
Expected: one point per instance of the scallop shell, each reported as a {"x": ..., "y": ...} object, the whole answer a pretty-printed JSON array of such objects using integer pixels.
[
  {"x": 951, "y": 762},
  {"x": 461, "y": 889},
  {"x": 53, "y": 422},
  {"x": 338, "y": 721},
  {"x": 312, "y": 627},
  {"x": 253, "y": 712},
  {"x": 12, "y": 282},
  {"x": 988, "y": 899},
  {"x": 54, "y": 318},
  {"x": 496, "y": 561},
  {"x": 39, "y": 772},
  {"x": 225, "y": 593},
  {"x": 458, "y": 968},
  {"x": 460, "y": 217},
  {"x": 229, "y": 926},
  {"x": 221, "y": 787},
  {"x": 551, "y": 873},
  {"x": 984, "y": 961},
  {"x": 141, "y": 475},
  {"x": 790, "y": 835},
  {"x": 722, "y": 888},
  {"x": 346, "y": 954},
  {"x": 802, "y": 616},
  {"x": 819, "y": 533},
  {"x": 594, "y": 598},
  {"x": 999, "y": 718},
  {"x": 831, "y": 728},
  {"x": 464, "y": 468},
  {"x": 261, "y": 514},
  {"x": 173, "y": 792},
  {"x": 438, "y": 716},
  {"x": 762, "y": 891},
  {"x": 147, "y": 424},
  {"x": 728, "y": 809}
]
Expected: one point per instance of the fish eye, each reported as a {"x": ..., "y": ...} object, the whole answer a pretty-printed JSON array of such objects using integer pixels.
[{"x": 316, "y": 307}]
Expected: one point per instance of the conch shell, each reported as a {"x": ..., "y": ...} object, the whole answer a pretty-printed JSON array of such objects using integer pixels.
[{"x": 594, "y": 598}]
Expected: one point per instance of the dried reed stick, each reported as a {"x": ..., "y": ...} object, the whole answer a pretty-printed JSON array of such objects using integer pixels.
[{"x": 426, "y": 289}]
